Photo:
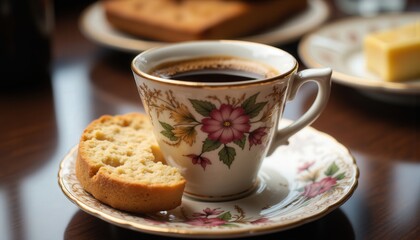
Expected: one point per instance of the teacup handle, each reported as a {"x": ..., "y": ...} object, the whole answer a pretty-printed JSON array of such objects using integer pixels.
[{"x": 322, "y": 77}]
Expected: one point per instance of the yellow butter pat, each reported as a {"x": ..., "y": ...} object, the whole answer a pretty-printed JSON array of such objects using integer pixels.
[{"x": 394, "y": 54}]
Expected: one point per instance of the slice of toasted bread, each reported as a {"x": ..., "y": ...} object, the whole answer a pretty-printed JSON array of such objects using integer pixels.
[
  {"x": 117, "y": 166},
  {"x": 183, "y": 20}
]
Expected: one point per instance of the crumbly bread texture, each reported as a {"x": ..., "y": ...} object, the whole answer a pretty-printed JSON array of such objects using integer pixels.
[
  {"x": 183, "y": 20},
  {"x": 119, "y": 163}
]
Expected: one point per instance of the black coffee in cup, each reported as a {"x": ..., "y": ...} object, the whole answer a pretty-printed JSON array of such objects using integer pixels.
[{"x": 214, "y": 69}]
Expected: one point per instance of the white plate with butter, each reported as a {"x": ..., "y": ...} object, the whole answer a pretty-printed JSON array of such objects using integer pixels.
[
  {"x": 95, "y": 27},
  {"x": 339, "y": 45}
]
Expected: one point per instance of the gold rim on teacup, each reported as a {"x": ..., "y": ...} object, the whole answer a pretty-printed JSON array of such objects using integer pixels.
[{"x": 280, "y": 76}]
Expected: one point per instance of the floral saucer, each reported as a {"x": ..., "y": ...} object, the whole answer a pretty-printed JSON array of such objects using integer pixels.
[{"x": 298, "y": 183}]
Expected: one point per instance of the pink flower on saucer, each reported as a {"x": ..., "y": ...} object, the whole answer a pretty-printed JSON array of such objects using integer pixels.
[
  {"x": 206, "y": 222},
  {"x": 208, "y": 212},
  {"x": 226, "y": 124},
  {"x": 316, "y": 188},
  {"x": 305, "y": 166}
]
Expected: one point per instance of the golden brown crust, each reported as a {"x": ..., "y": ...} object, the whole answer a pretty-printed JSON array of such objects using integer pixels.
[
  {"x": 120, "y": 191},
  {"x": 172, "y": 20}
]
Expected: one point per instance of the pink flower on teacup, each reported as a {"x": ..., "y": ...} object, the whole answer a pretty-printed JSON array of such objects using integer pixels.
[
  {"x": 316, "y": 188},
  {"x": 226, "y": 124},
  {"x": 198, "y": 159},
  {"x": 255, "y": 137}
]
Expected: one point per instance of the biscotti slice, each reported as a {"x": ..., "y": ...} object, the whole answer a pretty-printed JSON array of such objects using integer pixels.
[
  {"x": 119, "y": 164},
  {"x": 183, "y": 20}
]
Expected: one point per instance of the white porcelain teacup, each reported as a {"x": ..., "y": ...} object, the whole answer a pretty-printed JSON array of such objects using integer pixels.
[{"x": 218, "y": 133}]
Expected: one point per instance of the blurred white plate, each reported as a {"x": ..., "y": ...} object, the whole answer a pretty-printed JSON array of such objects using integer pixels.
[
  {"x": 339, "y": 45},
  {"x": 94, "y": 26}
]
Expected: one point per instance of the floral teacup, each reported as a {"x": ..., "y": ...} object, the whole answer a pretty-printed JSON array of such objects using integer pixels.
[{"x": 218, "y": 133}]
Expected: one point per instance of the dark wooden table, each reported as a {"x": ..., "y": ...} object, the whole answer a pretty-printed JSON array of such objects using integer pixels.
[{"x": 40, "y": 123}]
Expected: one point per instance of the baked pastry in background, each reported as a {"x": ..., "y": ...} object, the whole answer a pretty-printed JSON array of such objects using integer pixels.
[
  {"x": 119, "y": 163},
  {"x": 183, "y": 20}
]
